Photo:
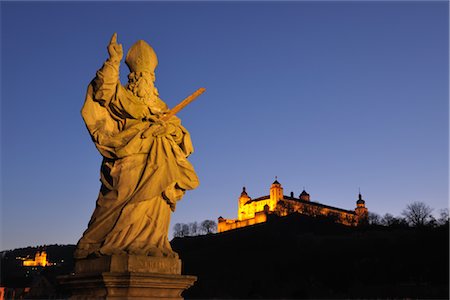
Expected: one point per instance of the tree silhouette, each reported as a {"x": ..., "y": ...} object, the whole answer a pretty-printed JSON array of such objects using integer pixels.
[
  {"x": 177, "y": 230},
  {"x": 373, "y": 219},
  {"x": 417, "y": 214},
  {"x": 443, "y": 217},
  {"x": 193, "y": 229},
  {"x": 388, "y": 220},
  {"x": 184, "y": 229},
  {"x": 391, "y": 221},
  {"x": 208, "y": 226}
]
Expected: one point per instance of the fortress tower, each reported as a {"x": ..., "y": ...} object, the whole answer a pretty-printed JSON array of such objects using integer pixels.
[
  {"x": 304, "y": 196},
  {"x": 361, "y": 211},
  {"x": 243, "y": 199}
]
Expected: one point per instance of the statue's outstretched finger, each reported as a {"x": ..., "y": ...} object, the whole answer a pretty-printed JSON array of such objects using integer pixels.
[{"x": 114, "y": 38}]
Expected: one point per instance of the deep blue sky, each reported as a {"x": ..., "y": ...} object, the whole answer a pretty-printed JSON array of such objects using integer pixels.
[{"x": 330, "y": 96}]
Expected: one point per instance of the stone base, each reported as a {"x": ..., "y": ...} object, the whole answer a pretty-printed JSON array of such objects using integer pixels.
[
  {"x": 129, "y": 263},
  {"x": 127, "y": 277}
]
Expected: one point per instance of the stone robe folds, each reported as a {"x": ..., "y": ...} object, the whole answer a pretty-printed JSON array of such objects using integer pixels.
[{"x": 142, "y": 178}]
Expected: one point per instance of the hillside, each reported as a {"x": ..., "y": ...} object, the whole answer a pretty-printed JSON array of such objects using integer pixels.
[
  {"x": 298, "y": 257},
  {"x": 291, "y": 257},
  {"x": 43, "y": 280}
]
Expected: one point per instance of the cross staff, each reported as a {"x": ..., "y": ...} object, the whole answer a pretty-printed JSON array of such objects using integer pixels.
[
  {"x": 177, "y": 108},
  {"x": 183, "y": 103}
]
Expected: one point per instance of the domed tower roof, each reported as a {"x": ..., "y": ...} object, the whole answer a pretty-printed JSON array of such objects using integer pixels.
[
  {"x": 360, "y": 200},
  {"x": 244, "y": 192},
  {"x": 244, "y": 197},
  {"x": 304, "y": 196},
  {"x": 361, "y": 210}
]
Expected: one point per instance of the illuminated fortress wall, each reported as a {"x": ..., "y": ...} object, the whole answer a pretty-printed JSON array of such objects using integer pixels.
[
  {"x": 254, "y": 211},
  {"x": 40, "y": 260},
  {"x": 228, "y": 224}
]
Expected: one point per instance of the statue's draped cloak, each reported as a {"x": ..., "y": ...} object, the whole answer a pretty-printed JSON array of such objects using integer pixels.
[{"x": 142, "y": 178}]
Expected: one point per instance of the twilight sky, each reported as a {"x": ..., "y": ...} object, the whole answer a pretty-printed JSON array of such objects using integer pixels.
[{"x": 330, "y": 96}]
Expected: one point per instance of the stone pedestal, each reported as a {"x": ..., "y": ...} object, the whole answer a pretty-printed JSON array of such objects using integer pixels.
[{"x": 127, "y": 277}]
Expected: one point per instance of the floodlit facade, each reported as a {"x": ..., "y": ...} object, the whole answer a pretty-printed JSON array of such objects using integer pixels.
[
  {"x": 40, "y": 260},
  {"x": 253, "y": 211}
]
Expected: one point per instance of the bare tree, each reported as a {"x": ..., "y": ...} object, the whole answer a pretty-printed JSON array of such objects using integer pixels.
[
  {"x": 208, "y": 226},
  {"x": 388, "y": 220},
  {"x": 193, "y": 229},
  {"x": 443, "y": 217},
  {"x": 184, "y": 230},
  {"x": 373, "y": 219},
  {"x": 177, "y": 230},
  {"x": 391, "y": 221},
  {"x": 417, "y": 214}
]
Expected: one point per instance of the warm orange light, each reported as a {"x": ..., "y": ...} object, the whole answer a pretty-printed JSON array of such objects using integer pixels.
[
  {"x": 255, "y": 211},
  {"x": 40, "y": 259}
]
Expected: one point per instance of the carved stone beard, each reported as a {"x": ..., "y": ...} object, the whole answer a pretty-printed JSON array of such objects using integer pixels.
[{"x": 142, "y": 86}]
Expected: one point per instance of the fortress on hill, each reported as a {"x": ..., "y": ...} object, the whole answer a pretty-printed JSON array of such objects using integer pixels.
[
  {"x": 40, "y": 260},
  {"x": 254, "y": 211}
]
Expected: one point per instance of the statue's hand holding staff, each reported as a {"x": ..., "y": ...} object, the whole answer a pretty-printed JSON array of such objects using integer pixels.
[
  {"x": 165, "y": 117},
  {"x": 157, "y": 128},
  {"x": 115, "y": 50}
]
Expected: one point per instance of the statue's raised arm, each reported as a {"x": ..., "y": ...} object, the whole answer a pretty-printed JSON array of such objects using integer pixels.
[{"x": 107, "y": 78}]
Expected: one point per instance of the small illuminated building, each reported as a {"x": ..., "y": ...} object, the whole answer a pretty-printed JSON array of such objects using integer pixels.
[
  {"x": 253, "y": 211},
  {"x": 40, "y": 260}
]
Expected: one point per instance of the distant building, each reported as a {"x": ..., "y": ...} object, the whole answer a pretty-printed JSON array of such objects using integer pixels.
[
  {"x": 253, "y": 211},
  {"x": 40, "y": 260}
]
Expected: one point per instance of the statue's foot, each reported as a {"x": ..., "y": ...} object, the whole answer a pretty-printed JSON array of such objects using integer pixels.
[
  {"x": 173, "y": 254},
  {"x": 86, "y": 251},
  {"x": 169, "y": 253},
  {"x": 157, "y": 252}
]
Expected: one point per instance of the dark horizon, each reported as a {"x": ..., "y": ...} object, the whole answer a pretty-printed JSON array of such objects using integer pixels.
[{"x": 294, "y": 257}]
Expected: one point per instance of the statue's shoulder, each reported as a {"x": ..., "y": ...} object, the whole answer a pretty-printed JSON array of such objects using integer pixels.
[
  {"x": 124, "y": 91},
  {"x": 162, "y": 104},
  {"x": 127, "y": 97},
  {"x": 157, "y": 106}
]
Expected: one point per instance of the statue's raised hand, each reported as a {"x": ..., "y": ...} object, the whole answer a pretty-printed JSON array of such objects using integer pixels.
[{"x": 115, "y": 50}]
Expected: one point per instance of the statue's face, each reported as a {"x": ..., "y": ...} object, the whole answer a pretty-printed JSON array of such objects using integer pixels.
[{"x": 144, "y": 86}]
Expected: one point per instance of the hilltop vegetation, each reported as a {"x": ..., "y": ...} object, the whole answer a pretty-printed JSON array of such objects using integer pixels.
[{"x": 301, "y": 257}]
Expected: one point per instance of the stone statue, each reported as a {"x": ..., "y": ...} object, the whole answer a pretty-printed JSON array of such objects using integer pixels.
[{"x": 145, "y": 170}]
